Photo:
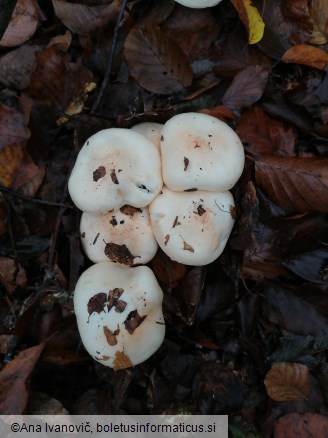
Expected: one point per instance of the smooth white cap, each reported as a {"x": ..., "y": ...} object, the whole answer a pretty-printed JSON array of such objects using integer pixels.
[
  {"x": 124, "y": 236},
  {"x": 199, "y": 4},
  {"x": 192, "y": 227},
  {"x": 151, "y": 130},
  {"x": 200, "y": 152},
  {"x": 119, "y": 313},
  {"x": 115, "y": 167}
]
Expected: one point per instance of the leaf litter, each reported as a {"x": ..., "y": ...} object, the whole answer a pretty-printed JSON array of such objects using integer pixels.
[{"x": 258, "y": 311}]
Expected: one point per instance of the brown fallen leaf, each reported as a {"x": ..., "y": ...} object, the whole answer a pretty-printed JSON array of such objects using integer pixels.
[
  {"x": 263, "y": 134},
  {"x": 155, "y": 61},
  {"x": 17, "y": 65},
  {"x": 168, "y": 272},
  {"x": 287, "y": 381},
  {"x": 299, "y": 20},
  {"x": 193, "y": 30},
  {"x": 306, "y": 55},
  {"x": 9, "y": 278},
  {"x": 301, "y": 426},
  {"x": 246, "y": 88},
  {"x": 14, "y": 135},
  {"x": 23, "y": 23},
  {"x": 83, "y": 19},
  {"x": 56, "y": 84},
  {"x": 295, "y": 184},
  {"x": 14, "y": 379}
]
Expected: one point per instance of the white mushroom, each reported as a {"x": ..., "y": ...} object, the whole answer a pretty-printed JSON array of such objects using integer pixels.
[
  {"x": 115, "y": 167},
  {"x": 199, "y": 4},
  {"x": 119, "y": 313},
  {"x": 123, "y": 236},
  {"x": 151, "y": 130},
  {"x": 192, "y": 227},
  {"x": 200, "y": 152}
]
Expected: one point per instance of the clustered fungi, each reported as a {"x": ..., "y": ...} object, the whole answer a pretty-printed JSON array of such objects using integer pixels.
[{"x": 138, "y": 188}]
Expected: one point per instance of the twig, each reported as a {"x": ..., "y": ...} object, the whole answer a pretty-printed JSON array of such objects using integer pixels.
[
  {"x": 11, "y": 236},
  {"x": 35, "y": 200},
  {"x": 49, "y": 273},
  {"x": 110, "y": 60}
]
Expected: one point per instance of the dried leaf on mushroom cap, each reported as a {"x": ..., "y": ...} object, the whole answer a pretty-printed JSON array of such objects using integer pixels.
[
  {"x": 200, "y": 151},
  {"x": 115, "y": 167},
  {"x": 192, "y": 227},
  {"x": 119, "y": 313},
  {"x": 123, "y": 236}
]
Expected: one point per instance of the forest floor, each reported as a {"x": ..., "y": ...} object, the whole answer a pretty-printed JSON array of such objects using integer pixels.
[{"x": 246, "y": 335}]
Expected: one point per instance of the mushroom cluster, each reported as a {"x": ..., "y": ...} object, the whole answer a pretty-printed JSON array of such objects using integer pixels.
[{"x": 138, "y": 188}]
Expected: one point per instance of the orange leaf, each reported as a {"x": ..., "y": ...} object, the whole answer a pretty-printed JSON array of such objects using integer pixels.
[
  {"x": 295, "y": 184},
  {"x": 156, "y": 62},
  {"x": 306, "y": 55},
  {"x": 287, "y": 381}
]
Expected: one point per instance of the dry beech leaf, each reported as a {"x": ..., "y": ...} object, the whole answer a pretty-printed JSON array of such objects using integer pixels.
[
  {"x": 300, "y": 23},
  {"x": 7, "y": 8},
  {"x": 246, "y": 88},
  {"x": 193, "y": 30},
  {"x": 263, "y": 134},
  {"x": 9, "y": 278},
  {"x": 23, "y": 23},
  {"x": 13, "y": 380},
  {"x": 301, "y": 426},
  {"x": 17, "y": 65},
  {"x": 156, "y": 62},
  {"x": 57, "y": 85},
  {"x": 295, "y": 184},
  {"x": 306, "y": 55},
  {"x": 83, "y": 19},
  {"x": 14, "y": 135},
  {"x": 251, "y": 18},
  {"x": 287, "y": 381}
]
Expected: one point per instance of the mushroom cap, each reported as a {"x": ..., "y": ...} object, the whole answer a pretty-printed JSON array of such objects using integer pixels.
[
  {"x": 192, "y": 227},
  {"x": 119, "y": 313},
  {"x": 199, "y": 4},
  {"x": 115, "y": 167},
  {"x": 124, "y": 236},
  {"x": 200, "y": 152},
  {"x": 151, "y": 130}
]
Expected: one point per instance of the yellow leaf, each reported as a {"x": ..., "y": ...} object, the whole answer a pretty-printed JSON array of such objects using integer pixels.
[
  {"x": 255, "y": 23},
  {"x": 251, "y": 18}
]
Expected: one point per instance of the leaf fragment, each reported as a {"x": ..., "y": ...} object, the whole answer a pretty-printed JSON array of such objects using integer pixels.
[{"x": 121, "y": 361}]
